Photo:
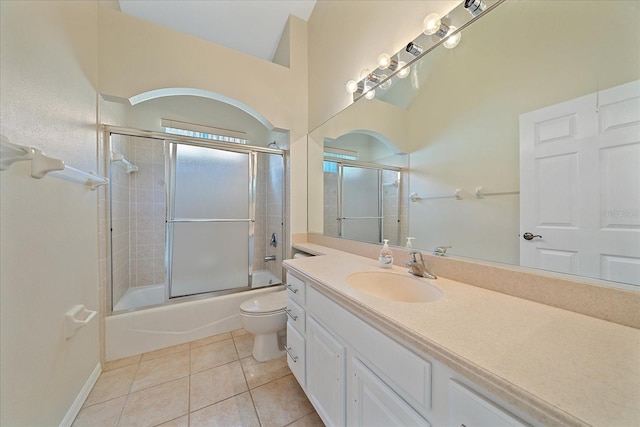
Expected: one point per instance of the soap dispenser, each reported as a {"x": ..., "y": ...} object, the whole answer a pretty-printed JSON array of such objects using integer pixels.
[
  {"x": 385, "y": 258},
  {"x": 409, "y": 244}
]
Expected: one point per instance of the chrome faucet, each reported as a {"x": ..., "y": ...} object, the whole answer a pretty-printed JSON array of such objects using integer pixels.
[
  {"x": 269, "y": 258},
  {"x": 441, "y": 250},
  {"x": 417, "y": 265}
]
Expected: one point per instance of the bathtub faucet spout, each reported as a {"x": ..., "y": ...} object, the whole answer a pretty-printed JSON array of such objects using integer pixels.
[{"x": 269, "y": 258}]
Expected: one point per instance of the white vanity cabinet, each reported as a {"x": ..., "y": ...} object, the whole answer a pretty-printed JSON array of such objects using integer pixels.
[{"x": 355, "y": 375}]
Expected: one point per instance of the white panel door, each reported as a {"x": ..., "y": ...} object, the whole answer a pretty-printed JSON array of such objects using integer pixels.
[{"x": 580, "y": 186}]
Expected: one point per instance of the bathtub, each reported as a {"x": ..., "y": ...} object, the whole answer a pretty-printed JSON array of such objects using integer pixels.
[{"x": 131, "y": 333}]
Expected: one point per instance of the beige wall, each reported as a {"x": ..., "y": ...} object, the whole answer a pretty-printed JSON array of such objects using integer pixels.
[
  {"x": 49, "y": 243},
  {"x": 347, "y": 36},
  {"x": 469, "y": 137},
  {"x": 133, "y": 60}
]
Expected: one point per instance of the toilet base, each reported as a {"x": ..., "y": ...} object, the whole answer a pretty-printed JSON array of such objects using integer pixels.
[{"x": 266, "y": 347}]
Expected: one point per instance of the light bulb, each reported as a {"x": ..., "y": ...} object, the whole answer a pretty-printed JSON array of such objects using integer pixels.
[
  {"x": 364, "y": 73},
  {"x": 452, "y": 41},
  {"x": 384, "y": 61},
  {"x": 385, "y": 85},
  {"x": 351, "y": 86},
  {"x": 370, "y": 94},
  {"x": 431, "y": 24},
  {"x": 404, "y": 70}
]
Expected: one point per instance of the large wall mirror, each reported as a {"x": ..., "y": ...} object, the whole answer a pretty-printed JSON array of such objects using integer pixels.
[{"x": 530, "y": 125}]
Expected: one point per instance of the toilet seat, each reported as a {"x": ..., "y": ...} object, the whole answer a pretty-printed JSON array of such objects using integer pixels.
[{"x": 264, "y": 305}]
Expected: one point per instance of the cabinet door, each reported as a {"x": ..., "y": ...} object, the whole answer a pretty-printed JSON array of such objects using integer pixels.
[
  {"x": 325, "y": 373},
  {"x": 373, "y": 403},
  {"x": 468, "y": 408}
]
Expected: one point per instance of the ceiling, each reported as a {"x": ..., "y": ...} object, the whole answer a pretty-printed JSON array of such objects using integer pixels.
[{"x": 250, "y": 26}]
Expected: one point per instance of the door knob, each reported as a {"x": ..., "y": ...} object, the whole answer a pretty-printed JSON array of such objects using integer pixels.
[{"x": 530, "y": 236}]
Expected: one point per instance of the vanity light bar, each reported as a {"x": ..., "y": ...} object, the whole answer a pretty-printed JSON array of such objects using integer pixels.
[{"x": 393, "y": 65}]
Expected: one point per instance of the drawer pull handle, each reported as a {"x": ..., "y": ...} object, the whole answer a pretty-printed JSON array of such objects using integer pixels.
[
  {"x": 291, "y": 288},
  {"x": 294, "y": 358},
  {"x": 294, "y": 318}
]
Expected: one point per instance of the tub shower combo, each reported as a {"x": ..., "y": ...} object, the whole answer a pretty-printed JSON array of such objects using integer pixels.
[{"x": 189, "y": 220}]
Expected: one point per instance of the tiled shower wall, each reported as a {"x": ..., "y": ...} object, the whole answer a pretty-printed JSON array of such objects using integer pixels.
[
  {"x": 138, "y": 206},
  {"x": 275, "y": 209},
  {"x": 260, "y": 226},
  {"x": 147, "y": 203},
  {"x": 120, "y": 220},
  {"x": 269, "y": 208}
]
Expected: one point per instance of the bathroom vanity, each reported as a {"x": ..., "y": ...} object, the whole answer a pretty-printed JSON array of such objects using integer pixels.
[{"x": 469, "y": 357}]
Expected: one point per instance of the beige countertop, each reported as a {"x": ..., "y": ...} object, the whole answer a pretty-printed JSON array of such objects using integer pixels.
[{"x": 558, "y": 366}]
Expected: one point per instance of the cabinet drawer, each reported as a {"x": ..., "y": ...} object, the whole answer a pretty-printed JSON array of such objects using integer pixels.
[
  {"x": 468, "y": 408},
  {"x": 295, "y": 315},
  {"x": 296, "y": 354},
  {"x": 297, "y": 288}
]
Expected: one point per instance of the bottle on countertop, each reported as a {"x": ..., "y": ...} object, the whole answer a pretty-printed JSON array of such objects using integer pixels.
[
  {"x": 409, "y": 244},
  {"x": 385, "y": 258}
]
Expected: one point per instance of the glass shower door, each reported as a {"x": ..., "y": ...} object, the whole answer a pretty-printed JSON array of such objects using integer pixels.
[
  {"x": 361, "y": 204},
  {"x": 210, "y": 220}
]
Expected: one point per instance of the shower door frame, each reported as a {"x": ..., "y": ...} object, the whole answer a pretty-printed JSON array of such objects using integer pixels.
[
  {"x": 171, "y": 148},
  {"x": 380, "y": 168},
  {"x": 187, "y": 140}
]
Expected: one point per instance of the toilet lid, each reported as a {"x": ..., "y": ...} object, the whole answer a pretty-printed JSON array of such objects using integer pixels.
[{"x": 266, "y": 304}]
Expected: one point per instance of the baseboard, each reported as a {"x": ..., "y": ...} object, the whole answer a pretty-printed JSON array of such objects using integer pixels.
[{"x": 73, "y": 411}]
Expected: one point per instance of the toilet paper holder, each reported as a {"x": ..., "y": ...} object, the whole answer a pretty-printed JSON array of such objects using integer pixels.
[{"x": 76, "y": 318}]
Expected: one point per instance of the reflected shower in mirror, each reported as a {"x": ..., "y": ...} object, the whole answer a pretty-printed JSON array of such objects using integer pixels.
[{"x": 536, "y": 119}]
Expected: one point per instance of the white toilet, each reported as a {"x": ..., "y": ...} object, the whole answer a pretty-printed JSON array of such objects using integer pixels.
[{"x": 265, "y": 316}]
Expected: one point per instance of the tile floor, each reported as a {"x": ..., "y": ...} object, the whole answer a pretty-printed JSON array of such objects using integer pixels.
[{"x": 210, "y": 382}]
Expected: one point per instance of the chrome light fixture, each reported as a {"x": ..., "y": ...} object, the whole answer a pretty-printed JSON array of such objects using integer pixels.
[
  {"x": 433, "y": 24},
  {"x": 475, "y": 7},
  {"x": 414, "y": 49}
]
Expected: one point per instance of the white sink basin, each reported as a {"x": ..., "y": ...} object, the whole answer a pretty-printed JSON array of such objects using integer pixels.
[{"x": 393, "y": 286}]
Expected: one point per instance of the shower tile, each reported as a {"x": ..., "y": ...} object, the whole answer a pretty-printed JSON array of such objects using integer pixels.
[
  {"x": 216, "y": 384},
  {"x": 280, "y": 402},
  {"x": 157, "y": 404},
  {"x": 102, "y": 414},
  {"x": 210, "y": 340},
  {"x": 259, "y": 373},
  {"x": 212, "y": 355},
  {"x": 161, "y": 370},
  {"x": 236, "y": 411},
  {"x": 144, "y": 251},
  {"x": 112, "y": 384}
]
